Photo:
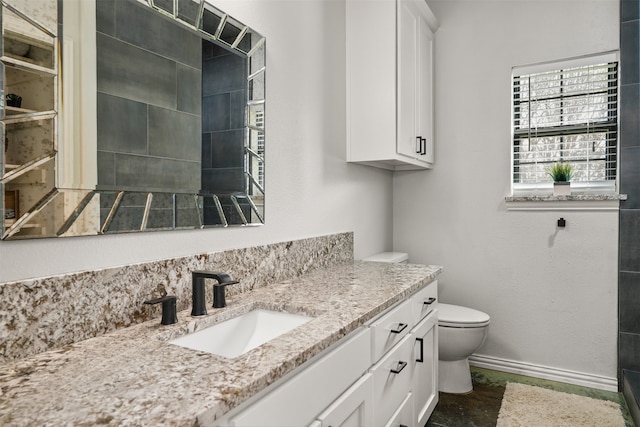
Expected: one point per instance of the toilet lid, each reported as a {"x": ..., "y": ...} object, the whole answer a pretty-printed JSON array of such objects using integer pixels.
[
  {"x": 457, "y": 316},
  {"x": 391, "y": 257}
]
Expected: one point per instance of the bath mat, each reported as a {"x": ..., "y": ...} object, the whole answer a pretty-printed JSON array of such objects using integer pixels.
[{"x": 529, "y": 406}]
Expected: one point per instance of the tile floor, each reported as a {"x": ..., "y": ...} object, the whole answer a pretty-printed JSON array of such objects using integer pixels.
[{"x": 480, "y": 408}]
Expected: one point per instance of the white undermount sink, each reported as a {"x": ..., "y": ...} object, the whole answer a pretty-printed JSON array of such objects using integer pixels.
[{"x": 240, "y": 334}]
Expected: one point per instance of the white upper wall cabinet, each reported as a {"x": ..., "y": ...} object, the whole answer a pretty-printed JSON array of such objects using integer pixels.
[{"x": 390, "y": 83}]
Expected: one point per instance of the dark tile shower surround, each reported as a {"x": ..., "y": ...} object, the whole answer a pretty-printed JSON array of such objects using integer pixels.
[{"x": 629, "y": 246}]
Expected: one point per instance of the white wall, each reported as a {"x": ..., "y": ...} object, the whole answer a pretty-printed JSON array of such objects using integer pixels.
[
  {"x": 311, "y": 191},
  {"x": 551, "y": 294}
]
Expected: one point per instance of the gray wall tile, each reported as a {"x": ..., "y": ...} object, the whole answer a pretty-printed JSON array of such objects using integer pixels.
[
  {"x": 223, "y": 73},
  {"x": 629, "y": 10},
  {"x": 122, "y": 125},
  {"x": 629, "y": 349},
  {"x": 629, "y": 45},
  {"x": 629, "y": 293},
  {"x": 219, "y": 180},
  {"x": 141, "y": 26},
  {"x": 227, "y": 150},
  {"x": 106, "y": 172},
  {"x": 139, "y": 173},
  {"x": 106, "y": 17},
  {"x": 630, "y": 177},
  {"x": 629, "y": 252},
  {"x": 174, "y": 134},
  {"x": 215, "y": 113},
  {"x": 133, "y": 73},
  {"x": 237, "y": 102},
  {"x": 189, "y": 89},
  {"x": 207, "y": 150},
  {"x": 629, "y": 115}
]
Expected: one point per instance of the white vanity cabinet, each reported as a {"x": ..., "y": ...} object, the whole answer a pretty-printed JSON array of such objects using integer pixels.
[
  {"x": 383, "y": 374},
  {"x": 390, "y": 83},
  {"x": 298, "y": 400}
]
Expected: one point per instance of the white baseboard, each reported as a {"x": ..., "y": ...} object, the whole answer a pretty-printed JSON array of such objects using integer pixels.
[{"x": 544, "y": 372}]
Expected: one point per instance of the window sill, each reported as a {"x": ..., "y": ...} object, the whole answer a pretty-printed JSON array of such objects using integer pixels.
[
  {"x": 571, "y": 198},
  {"x": 574, "y": 202}
]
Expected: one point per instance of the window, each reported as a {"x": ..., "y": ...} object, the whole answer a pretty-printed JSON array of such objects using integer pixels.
[{"x": 566, "y": 112}]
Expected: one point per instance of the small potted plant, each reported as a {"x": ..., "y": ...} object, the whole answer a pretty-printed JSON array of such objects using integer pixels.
[
  {"x": 561, "y": 174},
  {"x": 14, "y": 100}
]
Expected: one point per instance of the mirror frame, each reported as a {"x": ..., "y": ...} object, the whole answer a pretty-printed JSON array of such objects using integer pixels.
[{"x": 245, "y": 208}]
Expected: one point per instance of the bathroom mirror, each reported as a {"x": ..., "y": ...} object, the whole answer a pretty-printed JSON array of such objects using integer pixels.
[{"x": 129, "y": 115}]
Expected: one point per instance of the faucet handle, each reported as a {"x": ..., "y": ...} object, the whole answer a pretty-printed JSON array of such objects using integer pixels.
[
  {"x": 169, "y": 316},
  {"x": 219, "y": 299}
]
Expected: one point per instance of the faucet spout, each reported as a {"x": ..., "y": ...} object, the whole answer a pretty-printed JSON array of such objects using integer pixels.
[{"x": 219, "y": 301}]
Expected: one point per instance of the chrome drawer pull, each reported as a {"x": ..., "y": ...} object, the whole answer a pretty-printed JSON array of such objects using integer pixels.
[
  {"x": 399, "y": 368},
  {"x": 401, "y": 327},
  {"x": 429, "y": 301}
]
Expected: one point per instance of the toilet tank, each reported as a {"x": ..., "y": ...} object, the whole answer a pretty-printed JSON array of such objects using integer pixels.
[{"x": 392, "y": 257}]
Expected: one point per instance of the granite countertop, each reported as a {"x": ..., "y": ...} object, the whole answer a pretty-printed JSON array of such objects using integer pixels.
[{"x": 133, "y": 377}]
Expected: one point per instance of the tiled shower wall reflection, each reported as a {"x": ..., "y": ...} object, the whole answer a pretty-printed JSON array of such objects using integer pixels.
[
  {"x": 47, "y": 313},
  {"x": 149, "y": 110}
]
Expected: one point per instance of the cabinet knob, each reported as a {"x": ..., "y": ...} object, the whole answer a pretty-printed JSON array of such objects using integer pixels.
[
  {"x": 423, "y": 146},
  {"x": 418, "y": 144},
  {"x": 429, "y": 301}
]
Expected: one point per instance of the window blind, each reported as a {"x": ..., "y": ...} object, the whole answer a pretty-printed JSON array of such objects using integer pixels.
[{"x": 567, "y": 114}]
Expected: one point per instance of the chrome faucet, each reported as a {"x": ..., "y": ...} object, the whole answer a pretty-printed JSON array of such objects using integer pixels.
[{"x": 219, "y": 301}]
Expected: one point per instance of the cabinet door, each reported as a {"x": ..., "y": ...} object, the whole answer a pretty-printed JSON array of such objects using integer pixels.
[
  {"x": 408, "y": 142},
  {"x": 424, "y": 113},
  {"x": 425, "y": 368},
  {"x": 354, "y": 408},
  {"x": 415, "y": 81},
  {"x": 404, "y": 415}
]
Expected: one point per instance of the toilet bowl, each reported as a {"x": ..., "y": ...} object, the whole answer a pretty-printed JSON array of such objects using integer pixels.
[{"x": 461, "y": 332}]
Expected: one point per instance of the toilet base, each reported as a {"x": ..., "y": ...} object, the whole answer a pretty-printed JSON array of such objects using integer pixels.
[{"x": 454, "y": 376}]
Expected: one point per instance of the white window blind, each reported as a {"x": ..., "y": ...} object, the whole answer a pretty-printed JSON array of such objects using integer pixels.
[{"x": 566, "y": 113}]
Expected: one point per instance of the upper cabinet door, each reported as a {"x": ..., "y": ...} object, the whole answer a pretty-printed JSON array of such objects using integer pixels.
[
  {"x": 424, "y": 114},
  {"x": 408, "y": 142},
  {"x": 415, "y": 80}
]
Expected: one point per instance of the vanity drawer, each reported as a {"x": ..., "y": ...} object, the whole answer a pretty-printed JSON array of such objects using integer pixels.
[
  {"x": 389, "y": 329},
  {"x": 391, "y": 380},
  {"x": 424, "y": 301}
]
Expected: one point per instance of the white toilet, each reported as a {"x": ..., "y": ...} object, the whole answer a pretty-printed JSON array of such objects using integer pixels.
[{"x": 461, "y": 331}]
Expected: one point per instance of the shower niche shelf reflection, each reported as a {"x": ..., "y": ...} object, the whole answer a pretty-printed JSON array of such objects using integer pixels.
[{"x": 30, "y": 72}]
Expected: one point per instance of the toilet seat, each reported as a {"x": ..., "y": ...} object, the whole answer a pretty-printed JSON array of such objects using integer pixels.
[{"x": 455, "y": 316}]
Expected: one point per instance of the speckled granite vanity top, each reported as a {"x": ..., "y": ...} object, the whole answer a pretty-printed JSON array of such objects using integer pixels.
[{"x": 134, "y": 377}]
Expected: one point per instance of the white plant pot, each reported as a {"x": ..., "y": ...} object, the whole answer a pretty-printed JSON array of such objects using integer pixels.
[{"x": 562, "y": 188}]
